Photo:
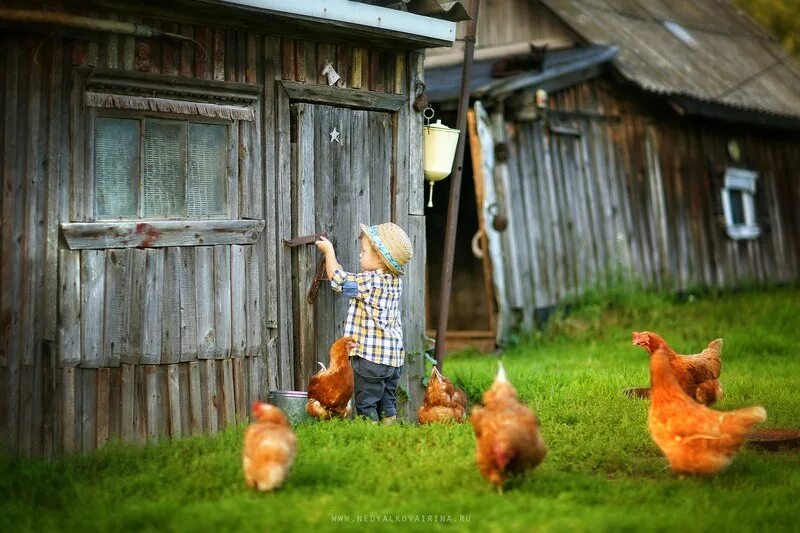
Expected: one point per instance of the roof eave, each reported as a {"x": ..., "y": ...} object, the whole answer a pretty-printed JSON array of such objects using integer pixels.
[{"x": 362, "y": 19}]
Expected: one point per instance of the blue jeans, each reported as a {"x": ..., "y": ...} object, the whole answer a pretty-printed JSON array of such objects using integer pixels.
[{"x": 375, "y": 388}]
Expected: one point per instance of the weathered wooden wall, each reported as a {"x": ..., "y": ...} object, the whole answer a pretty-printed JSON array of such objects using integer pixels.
[
  {"x": 606, "y": 188},
  {"x": 505, "y": 25},
  {"x": 146, "y": 343}
]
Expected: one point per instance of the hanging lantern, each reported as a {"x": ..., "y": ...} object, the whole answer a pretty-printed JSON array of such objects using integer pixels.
[{"x": 440, "y": 150}]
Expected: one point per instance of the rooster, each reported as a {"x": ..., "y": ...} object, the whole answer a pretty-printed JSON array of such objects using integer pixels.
[
  {"x": 507, "y": 433},
  {"x": 695, "y": 439},
  {"x": 330, "y": 389},
  {"x": 698, "y": 374},
  {"x": 443, "y": 402},
  {"x": 270, "y": 447}
]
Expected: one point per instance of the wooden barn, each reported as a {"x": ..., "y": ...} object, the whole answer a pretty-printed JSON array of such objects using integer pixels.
[
  {"x": 649, "y": 140},
  {"x": 155, "y": 159}
]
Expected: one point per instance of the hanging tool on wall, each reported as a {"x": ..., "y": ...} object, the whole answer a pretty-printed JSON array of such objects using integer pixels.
[{"x": 319, "y": 276}]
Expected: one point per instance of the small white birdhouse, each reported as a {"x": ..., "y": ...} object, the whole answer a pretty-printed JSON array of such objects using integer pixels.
[
  {"x": 440, "y": 150},
  {"x": 330, "y": 73}
]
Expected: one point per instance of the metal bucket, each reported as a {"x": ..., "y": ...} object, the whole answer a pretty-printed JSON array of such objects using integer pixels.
[{"x": 293, "y": 404}]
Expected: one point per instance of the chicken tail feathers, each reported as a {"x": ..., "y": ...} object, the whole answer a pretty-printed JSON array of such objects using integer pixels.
[
  {"x": 741, "y": 421},
  {"x": 322, "y": 365}
]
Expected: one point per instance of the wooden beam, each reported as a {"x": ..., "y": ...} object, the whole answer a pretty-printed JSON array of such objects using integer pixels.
[
  {"x": 341, "y": 97},
  {"x": 160, "y": 233}
]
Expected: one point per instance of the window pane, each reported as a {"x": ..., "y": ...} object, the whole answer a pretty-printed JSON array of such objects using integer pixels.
[
  {"x": 207, "y": 170},
  {"x": 116, "y": 166},
  {"x": 736, "y": 198},
  {"x": 164, "y": 169}
]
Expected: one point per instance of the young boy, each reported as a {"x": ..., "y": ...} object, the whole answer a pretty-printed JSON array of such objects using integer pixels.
[{"x": 373, "y": 318}]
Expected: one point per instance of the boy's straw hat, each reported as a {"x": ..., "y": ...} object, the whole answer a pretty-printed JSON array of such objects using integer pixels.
[{"x": 391, "y": 243}]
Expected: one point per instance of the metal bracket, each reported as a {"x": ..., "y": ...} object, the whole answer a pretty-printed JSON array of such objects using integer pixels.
[{"x": 319, "y": 276}]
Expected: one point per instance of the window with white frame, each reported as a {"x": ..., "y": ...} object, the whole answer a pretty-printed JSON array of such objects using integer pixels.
[{"x": 738, "y": 203}]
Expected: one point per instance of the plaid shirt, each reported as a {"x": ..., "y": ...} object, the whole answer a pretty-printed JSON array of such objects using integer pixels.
[{"x": 373, "y": 318}]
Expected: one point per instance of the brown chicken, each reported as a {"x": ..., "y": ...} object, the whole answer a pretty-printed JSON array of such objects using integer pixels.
[
  {"x": 330, "y": 389},
  {"x": 698, "y": 374},
  {"x": 695, "y": 439},
  {"x": 270, "y": 447},
  {"x": 507, "y": 433},
  {"x": 443, "y": 401}
]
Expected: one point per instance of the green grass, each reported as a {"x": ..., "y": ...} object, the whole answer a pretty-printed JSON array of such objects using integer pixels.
[{"x": 602, "y": 473}]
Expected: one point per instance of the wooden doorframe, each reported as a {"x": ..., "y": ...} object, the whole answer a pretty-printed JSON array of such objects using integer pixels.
[{"x": 287, "y": 93}]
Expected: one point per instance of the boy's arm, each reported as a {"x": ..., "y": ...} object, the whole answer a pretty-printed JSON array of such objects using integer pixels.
[{"x": 331, "y": 264}]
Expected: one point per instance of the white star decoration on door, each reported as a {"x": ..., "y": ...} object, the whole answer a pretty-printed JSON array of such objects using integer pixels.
[{"x": 335, "y": 136}]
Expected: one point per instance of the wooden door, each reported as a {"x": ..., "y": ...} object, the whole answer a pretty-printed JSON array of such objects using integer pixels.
[{"x": 341, "y": 177}]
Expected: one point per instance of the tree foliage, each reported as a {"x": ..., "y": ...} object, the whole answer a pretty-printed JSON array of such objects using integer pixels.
[{"x": 779, "y": 17}]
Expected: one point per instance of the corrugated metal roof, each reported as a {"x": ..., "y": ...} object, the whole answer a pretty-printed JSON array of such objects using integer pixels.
[
  {"x": 444, "y": 83},
  {"x": 726, "y": 59}
]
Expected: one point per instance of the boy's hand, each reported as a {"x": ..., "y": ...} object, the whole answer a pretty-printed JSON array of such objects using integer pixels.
[{"x": 324, "y": 245}]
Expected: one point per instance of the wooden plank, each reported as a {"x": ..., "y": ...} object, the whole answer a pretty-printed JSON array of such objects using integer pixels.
[
  {"x": 22, "y": 390},
  {"x": 195, "y": 399},
  {"x": 284, "y": 228},
  {"x": 152, "y": 318},
  {"x": 88, "y": 413},
  {"x": 174, "y": 400},
  {"x": 184, "y": 398},
  {"x": 233, "y": 173},
  {"x": 256, "y": 382},
  {"x": 253, "y": 307},
  {"x": 204, "y": 294},
  {"x": 401, "y": 74},
  {"x": 413, "y": 139},
  {"x": 77, "y": 149},
  {"x": 115, "y": 404},
  {"x": 252, "y": 58},
  {"x": 210, "y": 399},
  {"x": 12, "y": 198},
  {"x": 137, "y": 307},
  {"x": 271, "y": 73},
  {"x": 117, "y": 306},
  {"x": 103, "y": 406},
  {"x": 230, "y": 55},
  {"x": 342, "y": 97},
  {"x": 240, "y": 388},
  {"x": 228, "y": 409},
  {"x": 287, "y": 59},
  {"x": 238, "y": 301},
  {"x": 415, "y": 312},
  {"x": 355, "y": 71},
  {"x": 127, "y": 402},
  {"x": 188, "y": 299},
  {"x": 128, "y": 48},
  {"x": 152, "y": 412},
  {"x": 50, "y": 402},
  {"x": 272, "y": 364},
  {"x": 186, "y": 51},
  {"x": 171, "y": 307},
  {"x": 222, "y": 300},
  {"x": 93, "y": 263},
  {"x": 305, "y": 222},
  {"x": 203, "y": 46},
  {"x": 69, "y": 304},
  {"x": 51, "y": 216},
  {"x": 218, "y": 61},
  {"x": 32, "y": 238},
  {"x": 68, "y": 430},
  {"x": 157, "y": 234}
]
